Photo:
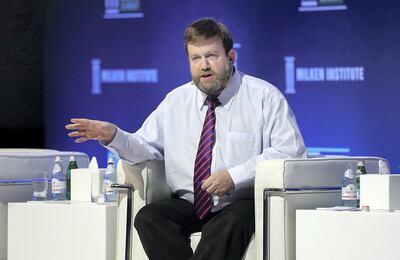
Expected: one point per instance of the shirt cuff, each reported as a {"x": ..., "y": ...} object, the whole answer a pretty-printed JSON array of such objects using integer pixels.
[
  {"x": 240, "y": 178},
  {"x": 118, "y": 141}
]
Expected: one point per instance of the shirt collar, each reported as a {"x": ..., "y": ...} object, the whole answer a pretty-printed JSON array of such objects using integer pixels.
[{"x": 227, "y": 95}]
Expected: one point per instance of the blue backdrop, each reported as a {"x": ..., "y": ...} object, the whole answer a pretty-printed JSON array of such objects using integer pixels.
[{"x": 336, "y": 61}]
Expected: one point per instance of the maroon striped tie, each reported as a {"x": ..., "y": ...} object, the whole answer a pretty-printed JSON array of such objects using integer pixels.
[{"x": 202, "y": 167}]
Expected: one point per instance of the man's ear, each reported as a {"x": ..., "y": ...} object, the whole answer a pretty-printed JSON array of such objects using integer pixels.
[{"x": 232, "y": 56}]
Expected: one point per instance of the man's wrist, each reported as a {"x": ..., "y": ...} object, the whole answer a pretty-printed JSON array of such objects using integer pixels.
[
  {"x": 110, "y": 133},
  {"x": 239, "y": 179},
  {"x": 113, "y": 132}
]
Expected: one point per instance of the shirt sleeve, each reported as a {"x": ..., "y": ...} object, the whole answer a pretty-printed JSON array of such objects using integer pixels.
[
  {"x": 281, "y": 140},
  {"x": 145, "y": 144}
]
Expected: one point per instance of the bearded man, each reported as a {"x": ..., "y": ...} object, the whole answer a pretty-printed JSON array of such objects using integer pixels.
[{"x": 210, "y": 132}]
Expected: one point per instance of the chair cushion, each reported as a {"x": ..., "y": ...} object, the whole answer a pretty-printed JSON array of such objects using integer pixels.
[
  {"x": 248, "y": 254},
  {"x": 194, "y": 240}
]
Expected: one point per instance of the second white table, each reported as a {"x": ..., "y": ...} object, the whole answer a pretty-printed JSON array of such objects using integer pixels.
[{"x": 342, "y": 235}]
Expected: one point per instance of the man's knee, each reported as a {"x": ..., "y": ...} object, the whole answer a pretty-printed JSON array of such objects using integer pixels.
[
  {"x": 241, "y": 210},
  {"x": 156, "y": 213},
  {"x": 239, "y": 215},
  {"x": 143, "y": 216},
  {"x": 234, "y": 219}
]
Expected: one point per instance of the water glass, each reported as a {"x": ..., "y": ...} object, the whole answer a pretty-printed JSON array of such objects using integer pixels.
[{"x": 40, "y": 187}]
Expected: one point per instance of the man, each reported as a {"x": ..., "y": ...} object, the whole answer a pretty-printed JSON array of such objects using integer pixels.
[{"x": 211, "y": 132}]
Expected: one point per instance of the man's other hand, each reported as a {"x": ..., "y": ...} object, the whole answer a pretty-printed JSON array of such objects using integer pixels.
[
  {"x": 219, "y": 183},
  {"x": 86, "y": 129}
]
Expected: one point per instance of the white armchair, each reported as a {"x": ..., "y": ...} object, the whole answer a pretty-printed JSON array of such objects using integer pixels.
[{"x": 281, "y": 187}]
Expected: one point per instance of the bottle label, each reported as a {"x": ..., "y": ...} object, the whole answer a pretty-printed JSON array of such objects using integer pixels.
[
  {"x": 107, "y": 187},
  {"x": 57, "y": 168},
  {"x": 349, "y": 173},
  {"x": 40, "y": 193},
  {"x": 349, "y": 192},
  {"x": 57, "y": 186}
]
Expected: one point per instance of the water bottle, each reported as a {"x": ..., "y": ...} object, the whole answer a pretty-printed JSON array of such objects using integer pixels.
[
  {"x": 349, "y": 186},
  {"x": 58, "y": 180},
  {"x": 110, "y": 177},
  {"x": 360, "y": 171},
  {"x": 384, "y": 167},
  {"x": 72, "y": 165}
]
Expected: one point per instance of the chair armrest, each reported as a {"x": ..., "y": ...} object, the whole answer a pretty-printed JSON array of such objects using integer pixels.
[
  {"x": 131, "y": 174},
  {"x": 148, "y": 178},
  {"x": 128, "y": 189},
  {"x": 310, "y": 173}
]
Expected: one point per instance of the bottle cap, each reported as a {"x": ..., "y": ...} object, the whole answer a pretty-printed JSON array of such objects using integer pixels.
[
  {"x": 72, "y": 158},
  {"x": 384, "y": 167},
  {"x": 110, "y": 160},
  {"x": 360, "y": 163},
  {"x": 58, "y": 158}
]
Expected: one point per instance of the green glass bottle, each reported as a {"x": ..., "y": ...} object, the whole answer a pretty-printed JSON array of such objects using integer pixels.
[
  {"x": 360, "y": 171},
  {"x": 72, "y": 165}
]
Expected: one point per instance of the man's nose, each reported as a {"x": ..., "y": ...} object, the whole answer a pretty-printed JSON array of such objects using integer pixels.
[{"x": 205, "y": 65}]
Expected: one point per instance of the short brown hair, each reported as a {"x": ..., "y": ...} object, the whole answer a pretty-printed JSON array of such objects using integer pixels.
[{"x": 206, "y": 28}]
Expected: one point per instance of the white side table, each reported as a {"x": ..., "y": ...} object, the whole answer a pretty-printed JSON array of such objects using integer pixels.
[
  {"x": 62, "y": 231},
  {"x": 340, "y": 235}
]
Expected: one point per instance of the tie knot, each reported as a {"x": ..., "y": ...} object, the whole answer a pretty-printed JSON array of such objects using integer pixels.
[{"x": 212, "y": 102}]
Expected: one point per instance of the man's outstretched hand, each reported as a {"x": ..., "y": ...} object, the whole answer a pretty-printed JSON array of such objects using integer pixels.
[{"x": 87, "y": 129}]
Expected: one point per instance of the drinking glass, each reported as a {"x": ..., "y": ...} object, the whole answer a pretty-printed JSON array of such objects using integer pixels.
[{"x": 40, "y": 187}]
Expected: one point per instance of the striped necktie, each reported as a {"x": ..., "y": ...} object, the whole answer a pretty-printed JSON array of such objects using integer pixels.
[{"x": 202, "y": 168}]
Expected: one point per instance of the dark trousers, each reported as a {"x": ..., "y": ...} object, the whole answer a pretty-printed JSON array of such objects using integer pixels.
[{"x": 165, "y": 227}]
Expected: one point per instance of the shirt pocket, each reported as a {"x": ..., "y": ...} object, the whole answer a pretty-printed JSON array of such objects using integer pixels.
[{"x": 240, "y": 146}]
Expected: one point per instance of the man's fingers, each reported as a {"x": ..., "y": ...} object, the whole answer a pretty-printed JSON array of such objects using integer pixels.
[
  {"x": 86, "y": 134},
  {"x": 76, "y": 133},
  {"x": 72, "y": 126},
  {"x": 209, "y": 185},
  {"x": 76, "y": 126},
  {"x": 79, "y": 123},
  {"x": 81, "y": 139},
  {"x": 87, "y": 129},
  {"x": 205, "y": 184},
  {"x": 211, "y": 189},
  {"x": 217, "y": 184},
  {"x": 80, "y": 120}
]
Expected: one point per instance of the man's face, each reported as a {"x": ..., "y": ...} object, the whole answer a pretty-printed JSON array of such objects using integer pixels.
[{"x": 210, "y": 67}]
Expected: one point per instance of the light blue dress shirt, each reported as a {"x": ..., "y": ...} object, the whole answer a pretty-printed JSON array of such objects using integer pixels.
[{"x": 253, "y": 123}]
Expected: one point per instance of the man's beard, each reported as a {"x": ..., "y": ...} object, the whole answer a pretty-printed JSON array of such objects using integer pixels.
[{"x": 214, "y": 88}]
